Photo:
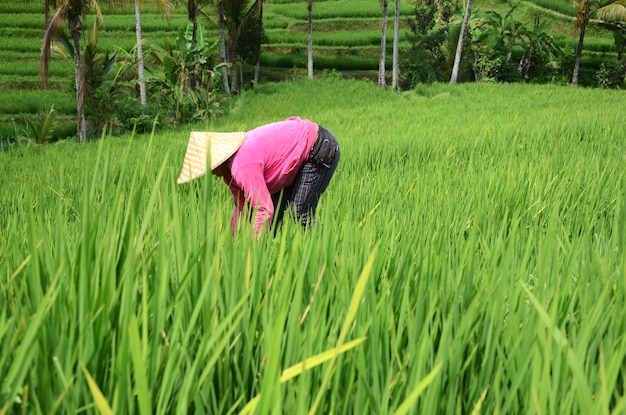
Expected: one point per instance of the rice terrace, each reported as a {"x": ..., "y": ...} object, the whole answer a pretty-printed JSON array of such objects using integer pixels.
[{"x": 469, "y": 254}]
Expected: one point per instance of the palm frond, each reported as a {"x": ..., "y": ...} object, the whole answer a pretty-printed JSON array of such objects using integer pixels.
[
  {"x": 164, "y": 7},
  {"x": 53, "y": 28},
  {"x": 614, "y": 12},
  {"x": 96, "y": 8},
  {"x": 42, "y": 126}
]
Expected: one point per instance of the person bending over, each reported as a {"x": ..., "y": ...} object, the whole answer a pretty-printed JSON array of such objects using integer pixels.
[{"x": 281, "y": 166}]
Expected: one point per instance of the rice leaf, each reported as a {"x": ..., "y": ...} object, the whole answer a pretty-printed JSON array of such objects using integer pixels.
[
  {"x": 96, "y": 393},
  {"x": 579, "y": 378},
  {"x": 479, "y": 402},
  {"x": 139, "y": 368},
  {"x": 350, "y": 315},
  {"x": 307, "y": 364},
  {"x": 417, "y": 391}
]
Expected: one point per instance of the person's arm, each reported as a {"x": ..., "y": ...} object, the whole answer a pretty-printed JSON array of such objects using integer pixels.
[
  {"x": 259, "y": 198},
  {"x": 252, "y": 182},
  {"x": 239, "y": 202}
]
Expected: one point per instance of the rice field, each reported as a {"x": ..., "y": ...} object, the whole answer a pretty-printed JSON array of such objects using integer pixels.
[
  {"x": 469, "y": 257},
  {"x": 346, "y": 39}
]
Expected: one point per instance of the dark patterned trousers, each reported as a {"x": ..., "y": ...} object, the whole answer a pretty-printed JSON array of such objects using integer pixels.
[{"x": 302, "y": 197}]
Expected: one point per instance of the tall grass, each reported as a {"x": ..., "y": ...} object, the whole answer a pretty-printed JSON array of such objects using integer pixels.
[
  {"x": 469, "y": 256},
  {"x": 357, "y": 38},
  {"x": 31, "y": 102},
  {"x": 560, "y": 6},
  {"x": 332, "y": 9}
]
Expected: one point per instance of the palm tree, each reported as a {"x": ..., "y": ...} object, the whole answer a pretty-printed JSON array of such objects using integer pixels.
[
  {"x": 221, "y": 18},
  {"x": 233, "y": 15},
  {"x": 237, "y": 14},
  {"x": 70, "y": 11},
  {"x": 164, "y": 7},
  {"x": 383, "y": 46},
  {"x": 459, "y": 44},
  {"x": 582, "y": 18},
  {"x": 140, "y": 64},
  {"x": 257, "y": 65},
  {"x": 310, "y": 44},
  {"x": 250, "y": 39},
  {"x": 615, "y": 16},
  {"x": 194, "y": 10},
  {"x": 395, "y": 73}
]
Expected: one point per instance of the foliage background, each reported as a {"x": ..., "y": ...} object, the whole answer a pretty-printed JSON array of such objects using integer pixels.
[{"x": 347, "y": 39}]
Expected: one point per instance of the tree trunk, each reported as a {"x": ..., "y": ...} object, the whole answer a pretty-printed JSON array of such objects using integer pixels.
[
  {"x": 439, "y": 6},
  {"x": 224, "y": 68},
  {"x": 620, "y": 50},
  {"x": 140, "y": 65},
  {"x": 192, "y": 15},
  {"x": 257, "y": 66},
  {"x": 310, "y": 45},
  {"x": 193, "y": 11},
  {"x": 459, "y": 43},
  {"x": 232, "y": 59},
  {"x": 395, "y": 74},
  {"x": 81, "y": 127},
  {"x": 383, "y": 48},
  {"x": 579, "y": 52}
]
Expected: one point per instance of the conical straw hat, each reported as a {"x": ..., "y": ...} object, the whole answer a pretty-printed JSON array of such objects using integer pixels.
[{"x": 220, "y": 146}]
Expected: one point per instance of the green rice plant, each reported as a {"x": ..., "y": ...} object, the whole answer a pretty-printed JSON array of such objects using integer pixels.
[
  {"x": 340, "y": 24},
  {"x": 468, "y": 258},
  {"x": 31, "y": 68},
  {"x": 29, "y": 45},
  {"x": 150, "y": 22},
  {"x": 275, "y": 21},
  {"x": 320, "y": 61},
  {"x": 32, "y": 102},
  {"x": 600, "y": 45},
  {"x": 25, "y": 82},
  {"x": 332, "y": 9},
  {"x": 286, "y": 1},
  {"x": 21, "y": 31},
  {"x": 7, "y": 55},
  {"x": 21, "y": 16},
  {"x": 560, "y": 6},
  {"x": 353, "y": 38}
]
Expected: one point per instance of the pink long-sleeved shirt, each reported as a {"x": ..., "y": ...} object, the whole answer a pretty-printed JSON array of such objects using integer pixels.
[{"x": 267, "y": 162}]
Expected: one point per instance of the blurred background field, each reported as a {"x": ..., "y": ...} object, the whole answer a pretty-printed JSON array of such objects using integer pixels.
[{"x": 346, "y": 39}]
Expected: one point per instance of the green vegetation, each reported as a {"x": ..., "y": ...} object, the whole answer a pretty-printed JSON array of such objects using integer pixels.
[
  {"x": 470, "y": 257},
  {"x": 346, "y": 39}
]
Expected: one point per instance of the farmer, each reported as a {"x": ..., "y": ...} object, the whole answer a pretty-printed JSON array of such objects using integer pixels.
[{"x": 272, "y": 168}]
